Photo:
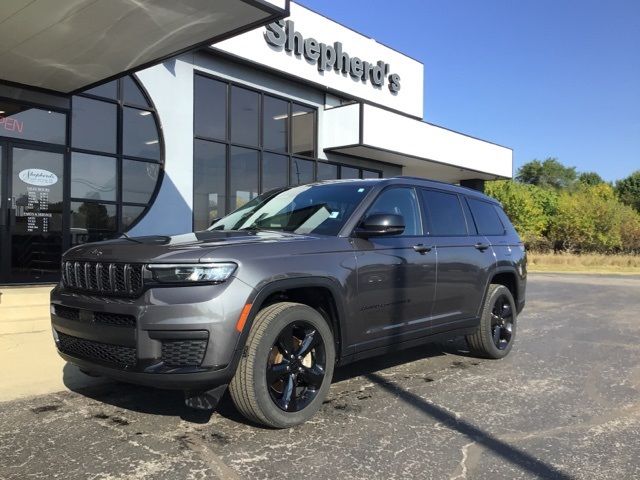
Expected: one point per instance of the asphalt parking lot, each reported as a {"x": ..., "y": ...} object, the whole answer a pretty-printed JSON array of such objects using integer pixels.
[{"x": 564, "y": 404}]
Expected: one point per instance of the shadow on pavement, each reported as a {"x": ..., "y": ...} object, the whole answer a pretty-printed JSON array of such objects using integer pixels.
[{"x": 499, "y": 448}]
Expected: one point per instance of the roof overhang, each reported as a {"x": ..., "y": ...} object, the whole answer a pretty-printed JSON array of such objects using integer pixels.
[
  {"x": 69, "y": 45},
  {"x": 423, "y": 149}
]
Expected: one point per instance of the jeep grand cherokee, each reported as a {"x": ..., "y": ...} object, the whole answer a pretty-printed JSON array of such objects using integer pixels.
[{"x": 271, "y": 298}]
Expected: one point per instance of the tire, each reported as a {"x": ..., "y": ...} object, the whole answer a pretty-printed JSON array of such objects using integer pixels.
[
  {"x": 496, "y": 332},
  {"x": 268, "y": 352}
]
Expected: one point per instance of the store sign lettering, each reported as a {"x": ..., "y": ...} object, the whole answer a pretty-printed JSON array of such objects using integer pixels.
[
  {"x": 282, "y": 34},
  {"x": 11, "y": 124},
  {"x": 38, "y": 177}
]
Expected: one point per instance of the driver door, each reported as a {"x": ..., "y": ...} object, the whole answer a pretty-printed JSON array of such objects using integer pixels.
[{"x": 396, "y": 276}]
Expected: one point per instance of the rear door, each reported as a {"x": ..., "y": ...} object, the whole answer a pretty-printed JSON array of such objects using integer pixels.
[{"x": 465, "y": 259}]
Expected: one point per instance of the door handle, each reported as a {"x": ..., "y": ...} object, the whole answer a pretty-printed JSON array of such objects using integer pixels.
[
  {"x": 422, "y": 249},
  {"x": 481, "y": 246}
]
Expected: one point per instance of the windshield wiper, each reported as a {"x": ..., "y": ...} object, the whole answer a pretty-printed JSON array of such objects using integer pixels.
[{"x": 130, "y": 238}]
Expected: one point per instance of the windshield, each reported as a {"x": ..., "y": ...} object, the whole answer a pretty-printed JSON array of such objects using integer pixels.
[{"x": 318, "y": 209}]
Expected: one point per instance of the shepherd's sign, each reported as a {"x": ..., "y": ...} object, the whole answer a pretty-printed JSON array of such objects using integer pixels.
[{"x": 282, "y": 34}]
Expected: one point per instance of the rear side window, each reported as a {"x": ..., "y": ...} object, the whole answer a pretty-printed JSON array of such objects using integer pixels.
[
  {"x": 445, "y": 213},
  {"x": 486, "y": 217}
]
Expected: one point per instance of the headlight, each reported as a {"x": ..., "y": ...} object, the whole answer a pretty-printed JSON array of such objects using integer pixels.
[{"x": 191, "y": 273}]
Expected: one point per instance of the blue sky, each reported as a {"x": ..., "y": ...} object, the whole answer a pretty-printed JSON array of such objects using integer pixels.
[{"x": 546, "y": 78}]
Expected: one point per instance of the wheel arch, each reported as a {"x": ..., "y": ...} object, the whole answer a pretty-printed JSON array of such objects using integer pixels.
[{"x": 321, "y": 293}]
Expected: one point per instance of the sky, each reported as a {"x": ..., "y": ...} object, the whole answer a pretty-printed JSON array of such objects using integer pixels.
[{"x": 547, "y": 78}]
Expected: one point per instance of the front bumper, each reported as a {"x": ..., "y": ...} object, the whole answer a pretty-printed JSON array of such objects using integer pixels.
[{"x": 173, "y": 337}]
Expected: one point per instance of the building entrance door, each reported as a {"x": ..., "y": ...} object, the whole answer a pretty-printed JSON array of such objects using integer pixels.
[{"x": 31, "y": 213}]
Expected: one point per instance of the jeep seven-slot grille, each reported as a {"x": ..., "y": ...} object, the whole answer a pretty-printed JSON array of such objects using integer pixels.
[
  {"x": 117, "y": 355},
  {"x": 119, "y": 279}
]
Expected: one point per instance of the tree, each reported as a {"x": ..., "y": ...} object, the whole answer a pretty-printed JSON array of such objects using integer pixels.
[
  {"x": 548, "y": 173},
  {"x": 628, "y": 190},
  {"x": 590, "y": 178}
]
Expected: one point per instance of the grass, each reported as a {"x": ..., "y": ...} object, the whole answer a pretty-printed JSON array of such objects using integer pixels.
[{"x": 586, "y": 263}]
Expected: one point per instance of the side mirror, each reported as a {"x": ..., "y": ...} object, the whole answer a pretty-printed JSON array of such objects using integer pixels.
[{"x": 380, "y": 224}]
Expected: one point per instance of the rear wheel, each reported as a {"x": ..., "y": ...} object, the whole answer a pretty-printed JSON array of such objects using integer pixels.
[
  {"x": 286, "y": 371},
  {"x": 496, "y": 333}
]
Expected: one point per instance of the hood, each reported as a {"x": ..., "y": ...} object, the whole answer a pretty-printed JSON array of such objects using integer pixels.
[{"x": 188, "y": 247}]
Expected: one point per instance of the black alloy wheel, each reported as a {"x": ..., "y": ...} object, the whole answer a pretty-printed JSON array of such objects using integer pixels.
[
  {"x": 502, "y": 322},
  {"x": 296, "y": 366}
]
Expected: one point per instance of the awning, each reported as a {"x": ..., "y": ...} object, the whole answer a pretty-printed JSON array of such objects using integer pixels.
[
  {"x": 69, "y": 45},
  {"x": 423, "y": 149}
]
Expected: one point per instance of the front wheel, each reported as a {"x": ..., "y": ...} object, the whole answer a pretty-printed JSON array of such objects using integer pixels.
[
  {"x": 285, "y": 373},
  {"x": 496, "y": 333}
]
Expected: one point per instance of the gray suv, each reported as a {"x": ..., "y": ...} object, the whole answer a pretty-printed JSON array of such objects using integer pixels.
[{"x": 299, "y": 280}]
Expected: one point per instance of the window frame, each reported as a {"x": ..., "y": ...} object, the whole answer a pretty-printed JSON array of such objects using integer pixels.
[
  {"x": 493, "y": 208},
  {"x": 119, "y": 155}
]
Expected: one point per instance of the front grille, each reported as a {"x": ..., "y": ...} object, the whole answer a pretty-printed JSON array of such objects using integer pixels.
[
  {"x": 102, "y": 352},
  {"x": 67, "y": 312},
  {"x": 183, "y": 353},
  {"x": 118, "y": 279},
  {"x": 103, "y": 318}
]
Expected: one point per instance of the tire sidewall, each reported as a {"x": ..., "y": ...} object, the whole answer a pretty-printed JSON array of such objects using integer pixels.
[
  {"x": 266, "y": 404},
  {"x": 494, "y": 294}
]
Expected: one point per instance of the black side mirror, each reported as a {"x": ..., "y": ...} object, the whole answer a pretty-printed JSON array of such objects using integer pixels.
[{"x": 380, "y": 224}]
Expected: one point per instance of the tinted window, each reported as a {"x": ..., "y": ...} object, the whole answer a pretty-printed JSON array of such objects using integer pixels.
[
  {"x": 92, "y": 216},
  {"x": 349, "y": 172},
  {"x": 400, "y": 201},
  {"x": 209, "y": 173},
  {"x": 210, "y": 108},
  {"x": 486, "y": 217},
  {"x": 274, "y": 171},
  {"x": 445, "y": 213},
  {"x": 327, "y": 171},
  {"x": 130, "y": 214},
  {"x": 139, "y": 180},
  {"x": 275, "y": 121},
  {"x": 303, "y": 130},
  {"x": 244, "y": 116},
  {"x": 93, "y": 176},
  {"x": 18, "y": 121},
  {"x": 370, "y": 174},
  {"x": 508, "y": 226},
  {"x": 301, "y": 171},
  {"x": 139, "y": 134},
  {"x": 132, "y": 94},
  {"x": 94, "y": 125},
  {"x": 106, "y": 90},
  {"x": 243, "y": 178}
]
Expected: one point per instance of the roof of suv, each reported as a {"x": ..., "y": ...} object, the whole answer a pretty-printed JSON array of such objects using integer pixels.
[{"x": 416, "y": 181}]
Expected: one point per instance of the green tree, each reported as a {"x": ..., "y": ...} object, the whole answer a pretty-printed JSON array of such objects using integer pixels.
[
  {"x": 524, "y": 205},
  {"x": 590, "y": 178},
  {"x": 628, "y": 190},
  {"x": 547, "y": 173}
]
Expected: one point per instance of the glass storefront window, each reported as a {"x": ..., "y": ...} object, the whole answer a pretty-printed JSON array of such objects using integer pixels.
[
  {"x": 210, "y": 108},
  {"x": 349, "y": 172},
  {"x": 131, "y": 94},
  {"x": 25, "y": 123},
  {"x": 92, "y": 216},
  {"x": 275, "y": 124},
  {"x": 301, "y": 171},
  {"x": 93, "y": 177},
  {"x": 139, "y": 180},
  {"x": 274, "y": 171},
  {"x": 130, "y": 214},
  {"x": 93, "y": 125},
  {"x": 303, "y": 130},
  {"x": 107, "y": 90},
  {"x": 209, "y": 193},
  {"x": 244, "y": 116},
  {"x": 327, "y": 171},
  {"x": 370, "y": 174},
  {"x": 243, "y": 178},
  {"x": 140, "y": 134}
]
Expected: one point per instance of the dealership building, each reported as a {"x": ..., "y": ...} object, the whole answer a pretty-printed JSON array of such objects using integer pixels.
[{"x": 158, "y": 117}]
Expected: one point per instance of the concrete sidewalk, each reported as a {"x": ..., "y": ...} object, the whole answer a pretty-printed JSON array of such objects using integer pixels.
[{"x": 31, "y": 365}]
